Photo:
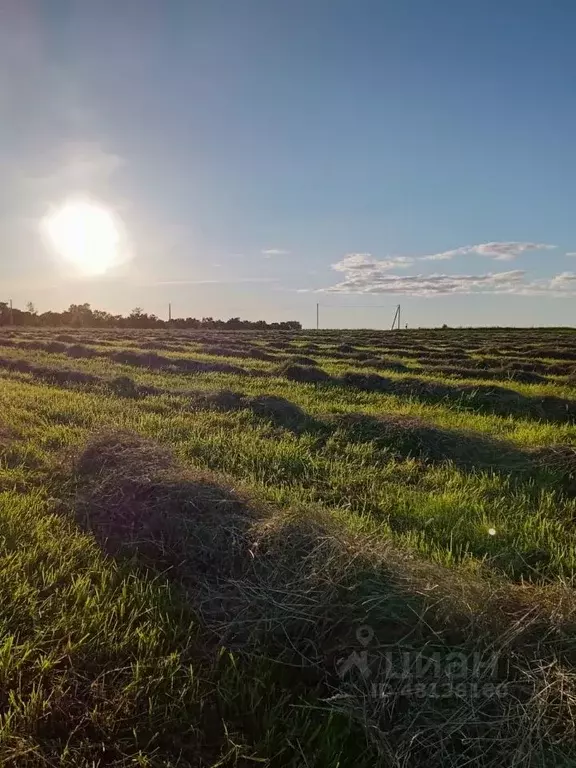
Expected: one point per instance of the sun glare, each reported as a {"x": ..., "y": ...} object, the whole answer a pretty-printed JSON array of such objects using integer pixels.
[{"x": 86, "y": 236}]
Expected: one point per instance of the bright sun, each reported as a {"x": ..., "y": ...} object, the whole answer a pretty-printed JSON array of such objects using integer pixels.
[{"x": 85, "y": 235}]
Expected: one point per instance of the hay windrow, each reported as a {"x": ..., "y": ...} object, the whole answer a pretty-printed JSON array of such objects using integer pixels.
[
  {"x": 295, "y": 586},
  {"x": 303, "y": 373},
  {"x": 409, "y": 437},
  {"x": 137, "y": 501}
]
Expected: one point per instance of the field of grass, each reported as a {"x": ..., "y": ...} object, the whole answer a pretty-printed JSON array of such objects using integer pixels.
[{"x": 317, "y": 548}]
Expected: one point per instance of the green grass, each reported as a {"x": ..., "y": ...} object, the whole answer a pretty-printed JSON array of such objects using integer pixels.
[{"x": 441, "y": 527}]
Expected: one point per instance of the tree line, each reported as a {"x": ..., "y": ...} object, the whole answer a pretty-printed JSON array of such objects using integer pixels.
[{"x": 83, "y": 316}]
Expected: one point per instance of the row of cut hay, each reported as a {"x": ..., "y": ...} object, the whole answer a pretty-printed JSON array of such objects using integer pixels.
[
  {"x": 438, "y": 349},
  {"x": 297, "y": 586},
  {"x": 280, "y": 411},
  {"x": 134, "y": 358},
  {"x": 482, "y": 397},
  {"x": 398, "y": 436},
  {"x": 495, "y": 374}
]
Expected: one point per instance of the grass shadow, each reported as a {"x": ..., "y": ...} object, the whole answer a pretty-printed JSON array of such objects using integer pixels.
[
  {"x": 405, "y": 437},
  {"x": 499, "y": 401}
]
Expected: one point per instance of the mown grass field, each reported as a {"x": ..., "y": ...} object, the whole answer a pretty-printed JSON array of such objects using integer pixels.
[{"x": 198, "y": 530}]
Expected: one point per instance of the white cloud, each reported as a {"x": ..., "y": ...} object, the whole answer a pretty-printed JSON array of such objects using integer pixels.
[
  {"x": 274, "y": 252},
  {"x": 571, "y": 253},
  {"x": 429, "y": 285},
  {"x": 402, "y": 261},
  {"x": 500, "y": 251},
  {"x": 355, "y": 261},
  {"x": 367, "y": 263},
  {"x": 446, "y": 255},
  {"x": 365, "y": 275},
  {"x": 564, "y": 280}
]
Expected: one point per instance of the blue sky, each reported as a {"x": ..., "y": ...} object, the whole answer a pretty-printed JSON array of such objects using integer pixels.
[{"x": 266, "y": 155}]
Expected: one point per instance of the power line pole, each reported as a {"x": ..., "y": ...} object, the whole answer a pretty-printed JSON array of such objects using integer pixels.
[
  {"x": 11, "y": 314},
  {"x": 169, "y": 312},
  {"x": 317, "y": 316},
  {"x": 396, "y": 316}
]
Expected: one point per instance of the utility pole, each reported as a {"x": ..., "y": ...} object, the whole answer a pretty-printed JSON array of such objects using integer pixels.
[
  {"x": 396, "y": 317},
  {"x": 317, "y": 316},
  {"x": 169, "y": 312},
  {"x": 11, "y": 314}
]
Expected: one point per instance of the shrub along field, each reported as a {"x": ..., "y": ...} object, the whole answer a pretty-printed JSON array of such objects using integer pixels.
[{"x": 287, "y": 548}]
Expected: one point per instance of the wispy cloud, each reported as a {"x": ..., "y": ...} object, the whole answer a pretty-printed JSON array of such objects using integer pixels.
[
  {"x": 571, "y": 253},
  {"x": 500, "y": 251},
  {"x": 365, "y": 262},
  {"x": 274, "y": 252}
]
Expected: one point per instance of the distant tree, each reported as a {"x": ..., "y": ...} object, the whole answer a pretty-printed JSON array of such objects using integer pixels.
[
  {"x": 52, "y": 318},
  {"x": 101, "y": 318},
  {"x": 4, "y": 313},
  {"x": 78, "y": 315},
  {"x": 82, "y": 315}
]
